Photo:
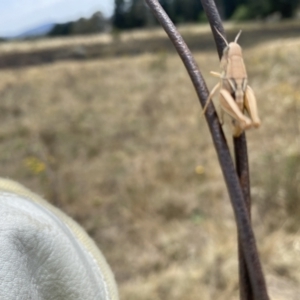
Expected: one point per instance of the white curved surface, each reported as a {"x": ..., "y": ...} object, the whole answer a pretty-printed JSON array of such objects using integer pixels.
[{"x": 46, "y": 255}]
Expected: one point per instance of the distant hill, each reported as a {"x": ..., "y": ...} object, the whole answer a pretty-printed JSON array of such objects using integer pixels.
[
  {"x": 37, "y": 31},
  {"x": 95, "y": 24}
]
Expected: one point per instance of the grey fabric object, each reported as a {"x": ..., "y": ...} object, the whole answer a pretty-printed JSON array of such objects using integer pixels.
[{"x": 44, "y": 254}]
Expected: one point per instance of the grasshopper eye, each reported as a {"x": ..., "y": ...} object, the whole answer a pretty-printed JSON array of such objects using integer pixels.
[{"x": 226, "y": 50}]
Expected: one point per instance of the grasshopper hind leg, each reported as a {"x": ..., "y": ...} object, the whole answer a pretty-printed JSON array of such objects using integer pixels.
[
  {"x": 229, "y": 105},
  {"x": 251, "y": 106},
  {"x": 236, "y": 129}
]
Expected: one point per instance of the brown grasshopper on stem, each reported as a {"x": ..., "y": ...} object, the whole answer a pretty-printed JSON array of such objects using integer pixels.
[{"x": 235, "y": 94}]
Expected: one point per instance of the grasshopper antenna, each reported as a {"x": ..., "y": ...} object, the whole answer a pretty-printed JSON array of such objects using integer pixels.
[
  {"x": 237, "y": 37},
  {"x": 223, "y": 36}
]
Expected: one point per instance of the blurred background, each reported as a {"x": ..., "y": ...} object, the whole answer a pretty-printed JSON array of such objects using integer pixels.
[{"x": 98, "y": 115}]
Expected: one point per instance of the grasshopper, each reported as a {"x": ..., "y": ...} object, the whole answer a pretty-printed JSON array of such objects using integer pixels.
[{"x": 236, "y": 96}]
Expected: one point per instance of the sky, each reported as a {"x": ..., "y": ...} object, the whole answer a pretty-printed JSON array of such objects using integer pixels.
[{"x": 17, "y": 16}]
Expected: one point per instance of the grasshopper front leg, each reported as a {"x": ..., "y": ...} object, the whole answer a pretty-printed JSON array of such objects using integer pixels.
[
  {"x": 210, "y": 97},
  {"x": 228, "y": 104},
  {"x": 251, "y": 107}
]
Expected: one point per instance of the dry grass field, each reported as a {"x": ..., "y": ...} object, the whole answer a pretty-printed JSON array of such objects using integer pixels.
[{"x": 120, "y": 145}]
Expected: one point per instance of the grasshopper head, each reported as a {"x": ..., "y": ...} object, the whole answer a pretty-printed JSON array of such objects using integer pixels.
[
  {"x": 232, "y": 62},
  {"x": 234, "y": 49}
]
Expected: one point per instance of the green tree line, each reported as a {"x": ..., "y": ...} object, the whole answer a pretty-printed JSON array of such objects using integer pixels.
[
  {"x": 134, "y": 13},
  {"x": 97, "y": 23}
]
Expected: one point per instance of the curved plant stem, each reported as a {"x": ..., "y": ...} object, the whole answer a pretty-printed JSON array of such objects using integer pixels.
[
  {"x": 245, "y": 232},
  {"x": 240, "y": 151},
  {"x": 242, "y": 168}
]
